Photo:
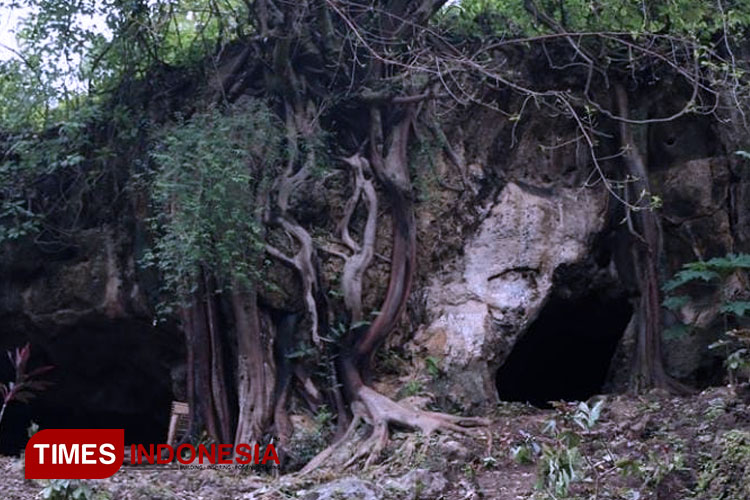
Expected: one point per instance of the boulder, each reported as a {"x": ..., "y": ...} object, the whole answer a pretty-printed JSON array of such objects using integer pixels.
[{"x": 348, "y": 487}]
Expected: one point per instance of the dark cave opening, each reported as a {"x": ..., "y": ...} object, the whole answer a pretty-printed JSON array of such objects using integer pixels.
[
  {"x": 105, "y": 376},
  {"x": 566, "y": 352},
  {"x": 139, "y": 427}
]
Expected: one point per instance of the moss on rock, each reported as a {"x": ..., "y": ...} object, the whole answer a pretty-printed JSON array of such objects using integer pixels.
[{"x": 727, "y": 475}]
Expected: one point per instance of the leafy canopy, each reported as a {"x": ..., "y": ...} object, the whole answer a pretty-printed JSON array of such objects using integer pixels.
[
  {"x": 211, "y": 170},
  {"x": 694, "y": 18}
]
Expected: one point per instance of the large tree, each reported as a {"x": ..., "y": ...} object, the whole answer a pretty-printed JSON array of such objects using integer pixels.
[
  {"x": 303, "y": 82},
  {"x": 307, "y": 59},
  {"x": 373, "y": 64}
]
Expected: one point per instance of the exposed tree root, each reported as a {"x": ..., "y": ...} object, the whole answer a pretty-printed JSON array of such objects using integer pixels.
[
  {"x": 356, "y": 265},
  {"x": 303, "y": 262},
  {"x": 380, "y": 411},
  {"x": 298, "y": 124}
]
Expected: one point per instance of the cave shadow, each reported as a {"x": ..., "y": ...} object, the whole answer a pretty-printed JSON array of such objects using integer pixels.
[
  {"x": 112, "y": 375},
  {"x": 566, "y": 352}
]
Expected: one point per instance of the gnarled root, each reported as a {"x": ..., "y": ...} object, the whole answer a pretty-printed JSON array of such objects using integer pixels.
[{"x": 379, "y": 411}]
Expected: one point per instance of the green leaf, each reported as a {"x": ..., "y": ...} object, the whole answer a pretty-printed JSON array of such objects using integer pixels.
[
  {"x": 738, "y": 308},
  {"x": 688, "y": 275},
  {"x": 432, "y": 364},
  {"x": 674, "y": 303},
  {"x": 675, "y": 332},
  {"x": 730, "y": 262}
]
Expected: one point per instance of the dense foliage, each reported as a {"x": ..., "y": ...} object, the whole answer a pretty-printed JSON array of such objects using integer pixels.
[
  {"x": 220, "y": 113},
  {"x": 673, "y": 18},
  {"x": 211, "y": 169}
]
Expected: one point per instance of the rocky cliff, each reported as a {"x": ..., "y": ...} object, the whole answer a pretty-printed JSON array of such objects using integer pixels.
[{"x": 519, "y": 273}]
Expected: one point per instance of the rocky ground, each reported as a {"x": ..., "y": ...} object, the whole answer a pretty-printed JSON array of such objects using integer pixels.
[{"x": 630, "y": 447}]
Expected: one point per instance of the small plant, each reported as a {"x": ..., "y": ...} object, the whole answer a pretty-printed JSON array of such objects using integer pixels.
[
  {"x": 525, "y": 452},
  {"x": 736, "y": 342},
  {"x": 24, "y": 386},
  {"x": 659, "y": 466},
  {"x": 714, "y": 272},
  {"x": 716, "y": 408},
  {"x": 32, "y": 429},
  {"x": 432, "y": 365},
  {"x": 586, "y": 416},
  {"x": 412, "y": 388},
  {"x": 559, "y": 468},
  {"x": 724, "y": 472},
  {"x": 522, "y": 454},
  {"x": 309, "y": 440},
  {"x": 69, "y": 489},
  {"x": 562, "y": 461},
  {"x": 323, "y": 418}
]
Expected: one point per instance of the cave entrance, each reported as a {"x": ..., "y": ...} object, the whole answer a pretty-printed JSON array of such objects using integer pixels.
[
  {"x": 566, "y": 352},
  {"x": 106, "y": 375}
]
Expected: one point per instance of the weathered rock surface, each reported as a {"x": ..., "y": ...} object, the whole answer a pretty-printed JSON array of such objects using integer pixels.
[
  {"x": 84, "y": 311},
  {"x": 479, "y": 306},
  {"x": 347, "y": 487},
  {"x": 698, "y": 211},
  {"x": 418, "y": 484}
]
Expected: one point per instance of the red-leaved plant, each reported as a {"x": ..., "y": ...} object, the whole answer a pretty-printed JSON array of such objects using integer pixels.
[{"x": 25, "y": 384}]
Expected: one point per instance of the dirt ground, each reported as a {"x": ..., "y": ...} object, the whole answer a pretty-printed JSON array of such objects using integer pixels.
[{"x": 640, "y": 447}]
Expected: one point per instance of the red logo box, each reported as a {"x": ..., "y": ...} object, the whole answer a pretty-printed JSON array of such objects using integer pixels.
[{"x": 74, "y": 453}]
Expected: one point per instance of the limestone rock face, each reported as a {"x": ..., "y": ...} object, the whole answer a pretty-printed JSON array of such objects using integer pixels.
[
  {"x": 478, "y": 307},
  {"x": 701, "y": 199},
  {"x": 695, "y": 216},
  {"x": 84, "y": 309},
  {"x": 98, "y": 283}
]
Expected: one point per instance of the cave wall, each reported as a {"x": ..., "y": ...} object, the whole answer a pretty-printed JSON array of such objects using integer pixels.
[
  {"x": 704, "y": 215},
  {"x": 480, "y": 304},
  {"x": 491, "y": 255},
  {"x": 84, "y": 310},
  {"x": 483, "y": 302}
]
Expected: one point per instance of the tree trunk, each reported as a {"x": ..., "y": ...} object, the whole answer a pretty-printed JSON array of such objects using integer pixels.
[
  {"x": 218, "y": 377},
  {"x": 302, "y": 86},
  {"x": 646, "y": 250},
  {"x": 255, "y": 367},
  {"x": 208, "y": 388}
]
